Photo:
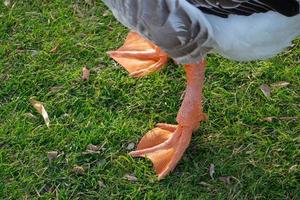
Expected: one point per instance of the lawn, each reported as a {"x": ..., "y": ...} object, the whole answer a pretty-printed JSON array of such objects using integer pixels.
[{"x": 43, "y": 47}]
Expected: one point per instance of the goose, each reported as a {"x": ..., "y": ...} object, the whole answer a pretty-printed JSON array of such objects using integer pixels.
[{"x": 186, "y": 31}]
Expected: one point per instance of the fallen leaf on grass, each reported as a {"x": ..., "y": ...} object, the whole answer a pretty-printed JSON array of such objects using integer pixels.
[
  {"x": 52, "y": 155},
  {"x": 92, "y": 149},
  {"x": 101, "y": 184},
  {"x": 271, "y": 119},
  {"x": 212, "y": 170},
  {"x": 280, "y": 84},
  {"x": 130, "y": 178},
  {"x": 205, "y": 184},
  {"x": 266, "y": 90},
  {"x": 225, "y": 179},
  {"x": 130, "y": 146},
  {"x": 293, "y": 168},
  {"x": 106, "y": 13},
  {"x": 54, "y": 50},
  {"x": 56, "y": 88},
  {"x": 288, "y": 118},
  {"x": 41, "y": 110},
  {"x": 78, "y": 170},
  {"x": 267, "y": 119},
  {"x": 7, "y": 2},
  {"x": 85, "y": 74}
]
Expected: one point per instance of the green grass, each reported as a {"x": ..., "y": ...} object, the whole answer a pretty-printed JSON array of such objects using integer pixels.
[{"x": 113, "y": 110}]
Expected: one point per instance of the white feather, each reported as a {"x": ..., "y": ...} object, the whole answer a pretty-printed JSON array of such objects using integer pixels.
[{"x": 254, "y": 37}]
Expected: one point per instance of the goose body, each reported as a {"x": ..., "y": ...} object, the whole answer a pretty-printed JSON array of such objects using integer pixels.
[
  {"x": 189, "y": 29},
  {"x": 255, "y": 37}
]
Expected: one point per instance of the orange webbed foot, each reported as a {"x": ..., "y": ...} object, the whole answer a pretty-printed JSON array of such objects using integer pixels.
[
  {"x": 139, "y": 56},
  {"x": 164, "y": 146}
]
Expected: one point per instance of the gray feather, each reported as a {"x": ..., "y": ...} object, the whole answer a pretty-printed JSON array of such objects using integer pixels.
[{"x": 176, "y": 26}]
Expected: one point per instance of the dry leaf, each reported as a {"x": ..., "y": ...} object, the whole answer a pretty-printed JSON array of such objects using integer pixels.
[
  {"x": 54, "y": 50},
  {"x": 288, "y": 118},
  {"x": 131, "y": 178},
  {"x": 130, "y": 146},
  {"x": 92, "y": 147},
  {"x": 41, "y": 110},
  {"x": 101, "y": 184},
  {"x": 212, "y": 170},
  {"x": 280, "y": 84},
  {"x": 7, "y": 2},
  {"x": 52, "y": 155},
  {"x": 30, "y": 115},
  {"x": 88, "y": 152},
  {"x": 106, "y": 13},
  {"x": 205, "y": 184},
  {"x": 268, "y": 119},
  {"x": 182, "y": 95},
  {"x": 293, "y": 168},
  {"x": 78, "y": 170},
  {"x": 225, "y": 179},
  {"x": 266, "y": 90},
  {"x": 56, "y": 88},
  {"x": 85, "y": 74}
]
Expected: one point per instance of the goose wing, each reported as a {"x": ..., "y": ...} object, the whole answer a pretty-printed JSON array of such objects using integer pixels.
[{"x": 223, "y": 8}]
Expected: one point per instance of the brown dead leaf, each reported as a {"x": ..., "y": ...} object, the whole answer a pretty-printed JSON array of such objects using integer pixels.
[
  {"x": 85, "y": 74},
  {"x": 266, "y": 90},
  {"x": 92, "y": 147},
  {"x": 267, "y": 119},
  {"x": 212, "y": 170},
  {"x": 78, "y": 170},
  {"x": 52, "y": 155},
  {"x": 41, "y": 110},
  {"x": 54, "y": 49},
  {"x": 130, "y": 178},
  {"x": 280, "y": 84}
]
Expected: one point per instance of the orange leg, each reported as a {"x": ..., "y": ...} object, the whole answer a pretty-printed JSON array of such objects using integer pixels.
[
  {"x": 166, "y": 144},
  {"x": 139, "y": 56}
]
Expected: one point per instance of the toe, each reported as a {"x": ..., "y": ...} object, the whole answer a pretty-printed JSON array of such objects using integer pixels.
[
  {"x": 168, "y": 127},
  {"x": 153, "y": 138}
]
